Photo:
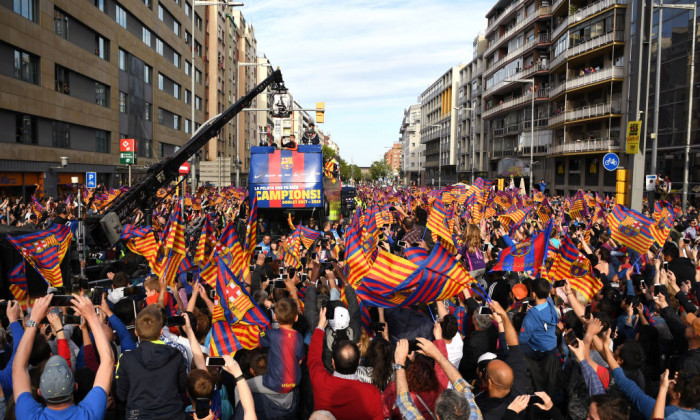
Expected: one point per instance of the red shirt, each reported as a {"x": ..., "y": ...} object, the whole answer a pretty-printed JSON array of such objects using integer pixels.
[{"x": 346, "y": 399}]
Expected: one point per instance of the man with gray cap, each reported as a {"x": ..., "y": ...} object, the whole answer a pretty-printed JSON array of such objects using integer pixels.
[{"x": 57, "y": 384}]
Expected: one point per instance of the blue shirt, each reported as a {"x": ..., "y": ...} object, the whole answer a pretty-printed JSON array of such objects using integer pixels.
[
  {"x": 93, "y": 407},
  {"x": 286, "y": 350},
  {"x": 539, "y": 327}
]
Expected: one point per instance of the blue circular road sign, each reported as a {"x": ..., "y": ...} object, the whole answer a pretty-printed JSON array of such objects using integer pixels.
[{"x": 611, "y": 161}]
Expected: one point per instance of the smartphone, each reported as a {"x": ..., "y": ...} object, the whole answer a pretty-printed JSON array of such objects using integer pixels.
[
  {"x": 665, "y": 265},
  {"x": 485, "y": 310},
  {"x": 281, "y": 270},
  {"x": 279, "y": 284},
  {"x": 71, "y": 319},
  {"x": 570, "y": 338},
  {"x": 175, "y": 321},
  {"x": 303, "y": 276},
  {"x": 413, "y": 345},
  {"x": 377, "y": 327},
  {"x": 587, "y": 313},
  {"x": 534, "y": 399},
  {"x": 401, "y": 244},
  {"x": 313, "y": 255},
  {"x": 96, "y": 296},
  {"x": 525, "y": 305},
  {"x": 257, "y": 249},
  {"x": 63, "y": 300},
  {"x": 657, "y": 289},
  {"x": 485, "y": 247},
  {"x": 202, "y": 407},
  {"x": 215, "y": 361},
  {"x": 559, "y": 283},
  {"x": 212, "y": 294},
  {"x": 642, "y": 285},
  {"x": 252, "y": 268},
  {"x": 291, "y": 272}
]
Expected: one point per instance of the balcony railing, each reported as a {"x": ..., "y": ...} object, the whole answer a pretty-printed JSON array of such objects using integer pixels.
[
  {"x": 557, "y": 119},
  {"x": 591, "y": 111},
  {"x": 545, "y": 10},
  {"x": 539, "y": 94},
  {"x": 513, "y": 128},
  {"x": 616, "y": 36},
  {"x": 595, "y": 77},
  {"x": 560, "y": 28},
  {"x": 499, "y": 132},
  {"x": 522, "y": 74},
  {"x": 586, "y": 145},
  {"x": 503, "y": 14},
  {"x": 540, "y": 39},
  {"x": 557, "y": 89},
  {"x": 541, "y": 149},
  {"x": 558, "y": 3},
  {"x": 541, "y": 122},
  {"x": 592, "y": 9}
]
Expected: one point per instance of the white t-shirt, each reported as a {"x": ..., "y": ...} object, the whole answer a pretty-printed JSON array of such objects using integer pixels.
[{"x": 454, "y": 350}]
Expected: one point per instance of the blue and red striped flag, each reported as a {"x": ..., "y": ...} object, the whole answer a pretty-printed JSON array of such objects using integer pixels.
[
  {"x": 45, "y": 250},
  {"x": 292, "y": 248},
  {"x": 526, "y": 255},
  {"x": 141, "y": 241},
  {"x": 437, "y": 223},
  {"x": 631, "y": 228},
  {"x": 356, "y": 264},
  {"x": 664, "y": 217},
  {"x": 206, "y": 243},
  {"x": 173, "y": 247},
  {"x": 18, "y": 281},
  {"x": 308, "y": 236}
]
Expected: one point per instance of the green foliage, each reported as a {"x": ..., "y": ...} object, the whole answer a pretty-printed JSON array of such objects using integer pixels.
[
  {"x": 327, "y": 153},
  {"x": 379, "y": 169}
]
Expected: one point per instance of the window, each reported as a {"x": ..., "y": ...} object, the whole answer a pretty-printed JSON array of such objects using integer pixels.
[
  {"x": 26, "y": 66},
  {"x": 148, "y": 112},
  {"x": 160, "y": 81},
  {"x": 176, "y": 60},
  {"x": 101, "y": 47},
  {"x": 62, "y": 80},
  {"x": 197, "y": 76},
  {"x": 101, "y": 141},
  {"x": 187, "y": 126},
  {"x": 123, "y": 60},
  {"x": 188, "y": 8},
  {"x": 146, "y": 36},
  {"x": 198, "y": 21},
  {"x": 120, "y": 16},
  {"x": 101, "y": 94},
  {"x": 60, "y": 23},
  {"x": 176, "y": 121},
  {"x": 176, "y": 91},
  {"x": 160, "y": 12},
  {"x": 147, "y": 3},
  {"x": 198, "y": 102},
  {"x": 145, "y": 148},
  {"x": 147, "y": 73},
  {"x": 122, "y": 102},
  {"x": 198, "y": 48},
  {"x": 26, "y": 129},
  {"x": 187, "y": 67},
  {"x": 26, "y": 9},
  {"x": 159, "y": 46},
  {"x": 176, "y": 27},
  {"x": 188, "y": 37},
  {"x": 160, "y": 116},
  {"x": 187, "y": 96},
  {"x": 60, "y": 135},
  {"x": 100, "y": 4}
]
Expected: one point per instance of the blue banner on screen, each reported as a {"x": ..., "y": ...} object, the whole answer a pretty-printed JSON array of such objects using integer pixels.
[{"x": 287, "y": 178}]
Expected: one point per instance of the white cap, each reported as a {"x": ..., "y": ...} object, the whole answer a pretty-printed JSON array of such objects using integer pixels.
[
  {"x": 488, "y": 356},
  {"x": 341, "y": 319}
]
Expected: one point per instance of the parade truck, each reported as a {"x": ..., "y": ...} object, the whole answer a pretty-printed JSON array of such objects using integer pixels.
[{"x": 289, "y": 186}]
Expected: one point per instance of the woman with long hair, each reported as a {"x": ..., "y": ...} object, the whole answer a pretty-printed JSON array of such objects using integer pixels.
[
  {"x": 471, "y": 253},
  {"x": 377, "y": 369}
]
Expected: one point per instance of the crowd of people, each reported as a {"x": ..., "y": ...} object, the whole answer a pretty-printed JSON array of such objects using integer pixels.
[{"x": 510, "y": 345}]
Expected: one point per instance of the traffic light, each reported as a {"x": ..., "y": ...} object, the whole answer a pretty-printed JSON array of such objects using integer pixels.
[{"x": 320, "y": 109}]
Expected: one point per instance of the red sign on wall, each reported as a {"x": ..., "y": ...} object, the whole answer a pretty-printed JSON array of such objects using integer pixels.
[
  {"x": 184, "y": 168},
  {"x": 127, "y": 145}
]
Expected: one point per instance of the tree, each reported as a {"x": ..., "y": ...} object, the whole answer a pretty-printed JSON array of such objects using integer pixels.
[
  {"x": 327, "y": 153},
  {"x": 356, "y": 173},
  {"x": 379, "y": 169}
]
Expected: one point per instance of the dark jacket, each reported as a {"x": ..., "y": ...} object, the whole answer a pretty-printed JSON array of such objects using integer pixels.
[
  {"x": 150, "y": 380},
  {"x": 478, "y": 343},
  {"x": 684, "y": 270},
  {"x": 408, "y": 323},
  {"x": 495, "y": 408},
  {"x": 266, "y": 409}
]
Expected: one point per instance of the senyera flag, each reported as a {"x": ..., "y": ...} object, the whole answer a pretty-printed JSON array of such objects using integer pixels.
[
  {"x": 572, "y": 265},
  {"x": 630, "y": 228},
  {"x": 526, "y": 255},
  {"x": 45, "y": 250}
]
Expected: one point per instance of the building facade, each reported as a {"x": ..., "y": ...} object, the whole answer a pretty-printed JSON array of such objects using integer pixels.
[
  {"x": 411, "y": 146},
  {"x": 393, "y": 158},
  {"x": 80, "y": 76},
  {"x": 439, "y": 128}
]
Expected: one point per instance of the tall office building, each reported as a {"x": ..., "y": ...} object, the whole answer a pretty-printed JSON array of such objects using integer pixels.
[{"x": 80, "y": 76}]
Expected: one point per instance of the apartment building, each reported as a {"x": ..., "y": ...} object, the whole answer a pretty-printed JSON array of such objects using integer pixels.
[
  {"x": 393, "y": 158},
  {"x": 78, "y": 76},
  {"x": 264, "y": 118},
  {"x": 439, "y": 128},
  {"x": 411, "y": 146}
]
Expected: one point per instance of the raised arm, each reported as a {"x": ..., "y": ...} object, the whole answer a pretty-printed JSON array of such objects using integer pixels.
[
  {"x": 103, "y": 378},
  {"x": 20, "y": 375},
  {"x": 244, "y": 393},
  {"x": 508, "y": 329},
  {"x": 197, "y": 355}
]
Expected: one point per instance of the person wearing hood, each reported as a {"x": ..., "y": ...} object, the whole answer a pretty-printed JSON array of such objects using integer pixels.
[{"x": 151, "y": 377}]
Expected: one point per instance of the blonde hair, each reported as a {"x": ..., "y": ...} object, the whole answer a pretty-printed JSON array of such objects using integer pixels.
[{"x": 471, "y": 237}]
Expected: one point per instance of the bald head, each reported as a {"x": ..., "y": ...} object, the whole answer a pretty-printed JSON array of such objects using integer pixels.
[
  {"x": 346, "y": 357},
  {"x": 500, "y": 375}
]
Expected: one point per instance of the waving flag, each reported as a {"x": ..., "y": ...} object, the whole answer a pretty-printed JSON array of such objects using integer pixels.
[
  {"x": 578, "y": 208},
  {"x": 384, "y": 285},
  {"x": 18, "y": 281},
  {"x": 663, "y": 221},
  {"x": 437, "y": 224},
  {"x": 544, "y": 212},
  {"x": 251, "y": 229},
  {"x": 526, "y": 255},
  {"x": 206, "y": 243},
  {"x": 173, "y": 247},
  {"x": 45, "y": 250},
  {"x": 356, "y": 264},
  {"x": 630, "y": 228},
  {"x": 572, "y": 265},
  {"x": 140, "y": 240},
  {"x": 37, "y": 208},
  {"x": 308, "y": 236},
  {"x": 292, "y": 247}
]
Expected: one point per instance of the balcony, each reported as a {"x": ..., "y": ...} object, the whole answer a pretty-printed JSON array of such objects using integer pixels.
[
  {"x": 592, "y": 111},
  {"x": 557, "y": 4},
  {"x": 542, "y": 38},
  {"x": 592, "y": 9},
  {"x": 585, "y": 145},
  {"x": 582, "y": 47},
  {"x": 499, "y": 132},
  {"x": 557, "y": 119},
  {"x": 615, "y": 72},
  {"x": 513, "y": 128},
  {"x": 506, "y": 12},
  {"x": 522, "y": 74},
  {"x": 560, "y": 28},
  {"x": 498, "y": 40},
  {"x": 539, "y": 94}
]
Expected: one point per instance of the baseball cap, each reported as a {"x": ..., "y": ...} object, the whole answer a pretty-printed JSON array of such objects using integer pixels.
[
  {"x": 486, "y": 357},
  {"x": 341, "y": 319},
  {"x": 520, "y": 291},
  {"x": 57, "y": 381},
  {"x": 691, "y": 319}
]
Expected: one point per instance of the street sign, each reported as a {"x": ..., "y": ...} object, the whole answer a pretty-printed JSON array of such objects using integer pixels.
[
  {"x": 127, "y": 145},
  {"x": 126, "y": 158},
  {"x": 184, "y": 168},
  {"x": 632, "y": 146},
  {"x": 611, "y": 161},
  {"x": 650, "y": 183},
  {"x": 91, "y": 179}
]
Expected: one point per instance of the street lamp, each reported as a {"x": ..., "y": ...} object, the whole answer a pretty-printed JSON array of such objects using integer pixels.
[
  {"x": 196, "y": 3},
  {"x": 532, "y": 123},
  {"x": 657, "y": 95},
  {"x": 238, "y": 82}
]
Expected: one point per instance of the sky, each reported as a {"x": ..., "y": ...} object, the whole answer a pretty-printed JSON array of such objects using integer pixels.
[{"x": 367, "y": 60}]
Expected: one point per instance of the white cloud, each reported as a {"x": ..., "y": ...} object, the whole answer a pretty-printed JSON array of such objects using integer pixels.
[{"x": 367, "y": 60}]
